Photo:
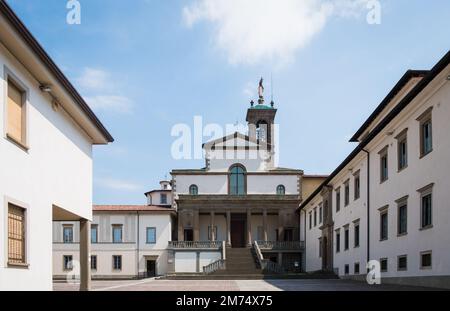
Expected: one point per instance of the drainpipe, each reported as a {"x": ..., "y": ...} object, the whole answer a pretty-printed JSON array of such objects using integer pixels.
[
  {"x": 304, "y": 237},
  {"x": 368, "y": 204},
  {"x": 137, "y": 246}
]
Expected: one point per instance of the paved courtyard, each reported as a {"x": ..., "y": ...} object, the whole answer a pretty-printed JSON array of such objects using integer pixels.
[{"x": 234, "y": 285}]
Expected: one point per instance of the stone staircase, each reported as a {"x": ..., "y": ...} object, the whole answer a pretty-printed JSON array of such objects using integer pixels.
[{"x": 240, "y": 262}]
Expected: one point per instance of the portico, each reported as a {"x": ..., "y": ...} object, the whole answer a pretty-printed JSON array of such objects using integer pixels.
[{"x": 237, "y": 220}]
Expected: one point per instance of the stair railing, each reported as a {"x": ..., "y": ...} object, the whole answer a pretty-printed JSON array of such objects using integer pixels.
[
  {"x": 265, "y": 264},
  {"x": 214, "y": 266}
]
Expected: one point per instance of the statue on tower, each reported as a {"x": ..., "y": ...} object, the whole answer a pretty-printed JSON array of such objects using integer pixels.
[{"x": 261, "y": 91}]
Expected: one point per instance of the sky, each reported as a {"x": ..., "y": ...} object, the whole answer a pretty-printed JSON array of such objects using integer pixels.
[{"x": 145, "y": 66}]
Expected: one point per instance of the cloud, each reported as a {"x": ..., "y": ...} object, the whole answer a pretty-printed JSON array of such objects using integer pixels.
[
  {"x": 114, "y": 103},
  {"x": 116, "y": 184},
  {"x": 248, "y": 90},
  {"x": 94, "y": 79},
  {"x": 101, "y": 92},
  {"x": 250, "y": 31}
]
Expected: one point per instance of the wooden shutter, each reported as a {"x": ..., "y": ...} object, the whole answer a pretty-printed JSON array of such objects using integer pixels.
[
  {"x": 15, "y": 113},
  {"x": 16, "y": 235}
]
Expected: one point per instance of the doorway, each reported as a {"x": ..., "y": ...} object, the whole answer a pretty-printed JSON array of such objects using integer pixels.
[
  {"x": 151, "y": 268},
  {"x": 188, "y": 235},
  {"x": 238, "y": 224}
]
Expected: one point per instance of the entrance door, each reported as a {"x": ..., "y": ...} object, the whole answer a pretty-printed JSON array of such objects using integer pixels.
[
  {"x": 151, "y": 268},
  {"x": 188, "y": 235},
  {"x": 237, "y": 227},
  {"x": 288, "y": 235}
]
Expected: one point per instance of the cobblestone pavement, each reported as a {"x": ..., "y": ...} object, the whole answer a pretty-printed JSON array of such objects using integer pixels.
[{"x": 233, "y": 285}]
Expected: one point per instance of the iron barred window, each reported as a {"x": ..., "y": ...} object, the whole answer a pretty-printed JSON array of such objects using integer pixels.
[{"x": 16, "y": 235}]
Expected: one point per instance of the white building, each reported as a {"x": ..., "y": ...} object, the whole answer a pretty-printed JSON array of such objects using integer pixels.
[
  {"x": 162, "y": 196},
  {"x": 47, "y": 133},
  {"x": 238, "y": 204},
  {"x": 127, "y": 241},
  {"x": 388, "y": 200}
]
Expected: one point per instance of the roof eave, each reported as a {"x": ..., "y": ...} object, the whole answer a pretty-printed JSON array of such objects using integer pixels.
[
  {"x": 39, "y": 63},
  {"x": 432, "y": 74}
]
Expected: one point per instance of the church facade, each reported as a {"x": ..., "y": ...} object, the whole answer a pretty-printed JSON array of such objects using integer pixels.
[{"x": 239, "y": 204}]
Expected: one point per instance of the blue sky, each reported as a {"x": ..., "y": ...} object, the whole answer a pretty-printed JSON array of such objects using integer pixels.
[{"x": 146, "y": 65}]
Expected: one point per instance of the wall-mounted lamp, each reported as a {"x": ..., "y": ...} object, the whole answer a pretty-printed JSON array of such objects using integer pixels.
[
  {"x": 448, "y": 78},
  {"x": 55, "y": 105},
  {"x": 45, "y": 88}
]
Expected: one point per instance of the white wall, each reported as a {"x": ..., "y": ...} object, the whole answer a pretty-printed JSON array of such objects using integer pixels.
[
  {"x": 104, "y": 249},
  {"x": 185, "y": 262},
  {"x": 218, "y": 184},
  {"x": 420, "y": 172},
  {"x": 154, "y": 198},
  {"x": 347, "y": 215},
  {"x": 56, "y": 170},
  {"x": 313, "y": 260}
]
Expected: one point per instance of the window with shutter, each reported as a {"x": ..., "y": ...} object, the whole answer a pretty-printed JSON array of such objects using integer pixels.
[{"x": 15, "y": 113}]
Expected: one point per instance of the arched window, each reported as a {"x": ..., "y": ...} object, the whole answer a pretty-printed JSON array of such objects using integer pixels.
[
  {"x": 193, "y": 190},
  {"x": 237, "y": 180},
  {"x": 281, "y": 190}
]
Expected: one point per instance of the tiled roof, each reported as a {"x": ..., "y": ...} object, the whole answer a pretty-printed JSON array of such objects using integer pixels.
[{"x": 128, "y": 208}]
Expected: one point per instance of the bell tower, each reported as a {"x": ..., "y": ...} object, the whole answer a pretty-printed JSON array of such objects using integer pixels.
[{"x": 261, "y": 118}]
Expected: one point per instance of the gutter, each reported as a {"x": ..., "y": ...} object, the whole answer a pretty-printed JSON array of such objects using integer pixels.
[
  {"x": 137, "y": 248},
  {"x": 368, "y": 204}
]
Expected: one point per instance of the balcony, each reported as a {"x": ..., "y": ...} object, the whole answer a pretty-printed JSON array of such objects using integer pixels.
[
  {"x": 281, "y": 245},
  {"x": 202, "y": 245}
]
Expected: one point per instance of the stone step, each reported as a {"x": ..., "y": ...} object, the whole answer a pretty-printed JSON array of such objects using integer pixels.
[{"x": 250, "y": 276}]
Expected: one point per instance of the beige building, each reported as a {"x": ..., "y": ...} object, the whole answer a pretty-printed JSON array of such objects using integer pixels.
[{"x": 127, "y": 242}]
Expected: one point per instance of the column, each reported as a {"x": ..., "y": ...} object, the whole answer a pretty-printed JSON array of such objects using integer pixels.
[
  {"x": 280, "y": 226},
  {"x": 213, "y": 233},
  {"x": 228, "y": 228},
  {"x": 85, "y": 255},
  {"x": 265, "y": 225},
  {"x": 249, "y": 227},
  {"x": 196, "y": 225},
  {"x": 180, "y": 227},
  {"x": 280, "y": 259},
  {"x": 198, "y": 268}
]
